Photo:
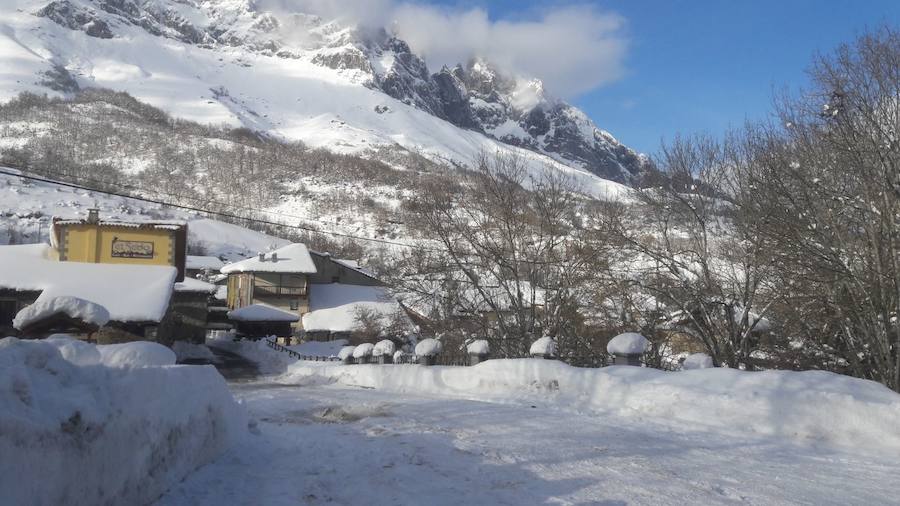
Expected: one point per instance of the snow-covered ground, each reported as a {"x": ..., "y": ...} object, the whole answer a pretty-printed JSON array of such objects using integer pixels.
[
  {"x": 334, "y": 444},
  {"x": 88, "y": 425}
]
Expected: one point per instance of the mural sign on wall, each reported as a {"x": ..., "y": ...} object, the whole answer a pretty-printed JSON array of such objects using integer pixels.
[{"x": 132, "y": 249}]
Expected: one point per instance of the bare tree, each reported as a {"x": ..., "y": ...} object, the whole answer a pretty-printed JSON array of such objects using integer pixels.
[
  {"x": 501, "y": 255},
  {"x": 686, "y": 244},
  {"x": 831, "y": 174}
]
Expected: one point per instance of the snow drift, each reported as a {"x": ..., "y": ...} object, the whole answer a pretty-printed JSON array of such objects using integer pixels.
[
  {"x": 96, "y": 435},
  {"x": 814, "y": 406}
]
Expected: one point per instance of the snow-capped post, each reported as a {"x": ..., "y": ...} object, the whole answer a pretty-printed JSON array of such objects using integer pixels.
[
  {"x": 479, "y": 350},
  {"x": 427, "y": 350},
  {"x": 628, "y": 348},
  {"x": 346, "y": 354},
  {"x": 384, "y": 352},
  {"x": 544, "y": 347},
  {"x": 697, "y": 361},
  {"x": 363, "y": 352}
]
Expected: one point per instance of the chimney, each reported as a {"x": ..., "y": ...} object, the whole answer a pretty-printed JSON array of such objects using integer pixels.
[
  {"x": 274, "y": 256},
  {"x": 93, "y": 216},
  {"x": 262, "y": 256}
]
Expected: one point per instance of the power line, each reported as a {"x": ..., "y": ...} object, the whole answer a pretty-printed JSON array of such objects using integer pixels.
[{"x": 216, "y": 213}]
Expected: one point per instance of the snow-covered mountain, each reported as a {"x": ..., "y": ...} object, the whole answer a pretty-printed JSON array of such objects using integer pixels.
[{"x": 297, "y": 76}]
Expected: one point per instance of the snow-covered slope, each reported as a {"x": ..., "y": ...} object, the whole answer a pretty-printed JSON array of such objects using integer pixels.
[
  {"x": 26, "y": 208},
  {"x": 299, "y": 77}
]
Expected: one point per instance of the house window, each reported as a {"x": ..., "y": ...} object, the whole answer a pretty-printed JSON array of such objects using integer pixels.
[{"x": 295, "y": 305}]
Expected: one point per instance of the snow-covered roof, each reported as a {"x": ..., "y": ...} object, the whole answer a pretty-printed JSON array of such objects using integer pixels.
[
  {"x": 293, "y": 258},
  {"x": 74, "y": 307},
  {"x": 204, "y": 262},
  {"x": 354, "y": 265},
  {"x": 193, "y": 285},
  {"x": 130, "y": 293},
  {"x": 157, "y": 224},
  {"x": 335, "y": 307},
  {"x": 262, "y": 313}
]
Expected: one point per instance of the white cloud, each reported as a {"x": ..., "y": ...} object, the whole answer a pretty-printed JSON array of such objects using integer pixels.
[{"x": 573, "y": 48}]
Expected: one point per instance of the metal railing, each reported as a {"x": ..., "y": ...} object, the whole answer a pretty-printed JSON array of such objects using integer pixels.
[{"x": 298, "y": 356}]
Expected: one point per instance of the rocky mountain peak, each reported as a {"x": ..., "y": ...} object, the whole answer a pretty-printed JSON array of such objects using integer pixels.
[{"x": 477, "y": 96}]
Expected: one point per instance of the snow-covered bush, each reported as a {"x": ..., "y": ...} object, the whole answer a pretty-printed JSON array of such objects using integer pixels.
[
  {"x": 428, "y": 347},
  {"x": 629, "y": 343},
  {"x": 136, "y": 354},
  {"x": 478, "y": 347},
  {"x": 363, "y": 350},
  {"x": 87, "y": 435},
  {"x": 697, "y": 361},
  {"x": 346, "y": 352},
  {"x": 384, "y": 348},
  {"x": 545, "y": 346},
  {"x": 398, "y": 356}
]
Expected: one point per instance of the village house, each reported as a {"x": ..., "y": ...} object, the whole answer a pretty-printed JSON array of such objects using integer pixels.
[
  {"x": 136, "y": 297},
  {"x": 279, "y": 279},
  {"x": 93, "y": 240},
  {"x": 328, "y": 296},
  {"x": 129, "y": 264}
]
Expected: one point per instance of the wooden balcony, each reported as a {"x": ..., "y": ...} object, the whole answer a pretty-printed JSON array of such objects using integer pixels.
[{"x": 279, "y": 291}]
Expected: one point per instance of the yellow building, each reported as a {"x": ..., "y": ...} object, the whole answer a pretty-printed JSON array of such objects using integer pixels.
[{"x": 93, "y": 240}]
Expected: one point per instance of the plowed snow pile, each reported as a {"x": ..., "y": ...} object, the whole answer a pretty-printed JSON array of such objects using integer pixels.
[
  {"x": 93, "y": 434},
  {"x": 815, "y": 406}
]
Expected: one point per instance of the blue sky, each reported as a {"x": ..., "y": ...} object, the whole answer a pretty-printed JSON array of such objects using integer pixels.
[{"x": 704, "y": 65}]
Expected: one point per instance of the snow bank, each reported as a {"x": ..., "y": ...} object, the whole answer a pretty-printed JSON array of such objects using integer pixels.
[
  {"x": 428, "y": 347},
  {"x": 543, "y": 346},
  {"x": 629, "y": 343},
  {"x": 320, "y": 348},
  {"x": 267, "y": 360},
  {"x": 190, "y": 351},
  {"x": 814, "y": 406},
  {"x": 697, "y": 361},
  {"x": 384, "y": 348},
  {"x": 74, "y": 307},
  {"x": 75, "y": 351},
  {"x": 136, "y": 354},
  {"x": 86, "y": 435},
  {"x": 363, "y": 350}
]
